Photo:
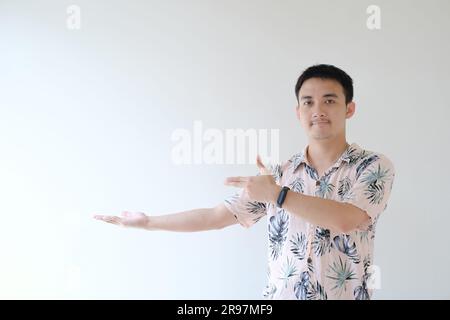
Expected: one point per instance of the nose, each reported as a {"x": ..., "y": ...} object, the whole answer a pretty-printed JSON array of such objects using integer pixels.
[{"x": 318, "y": 112}]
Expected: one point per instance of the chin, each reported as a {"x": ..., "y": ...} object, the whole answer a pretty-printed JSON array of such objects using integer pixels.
[{"x": 321, "y": 137}]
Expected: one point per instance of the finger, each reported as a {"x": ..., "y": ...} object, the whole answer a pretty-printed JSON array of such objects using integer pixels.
[
  {"x": 113, "y": 220},
  {"x": 236, "y": 179},
  {"x": 109, "y": 219},
  {"x": 261, "y": 166},
  {"x": 102, "y": 217},
  {"x": 235, "y": 184}
]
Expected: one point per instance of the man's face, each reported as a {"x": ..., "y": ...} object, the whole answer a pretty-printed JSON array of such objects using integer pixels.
[{"x": 322, "y": 110}]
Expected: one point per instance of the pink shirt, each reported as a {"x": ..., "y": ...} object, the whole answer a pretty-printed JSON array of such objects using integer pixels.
[{"x": 307, "y": 261}]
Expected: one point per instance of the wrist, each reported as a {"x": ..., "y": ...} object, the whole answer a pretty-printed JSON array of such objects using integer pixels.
[
  {"x": 275, "y": 193},
  {"x": 282, "y": 195},
  {"x": 149, "y": 223}
]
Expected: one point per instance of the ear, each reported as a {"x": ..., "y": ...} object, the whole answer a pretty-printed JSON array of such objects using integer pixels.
[
  {"x": 351, "y": 106},
  {"x": 297, "y": 111}
]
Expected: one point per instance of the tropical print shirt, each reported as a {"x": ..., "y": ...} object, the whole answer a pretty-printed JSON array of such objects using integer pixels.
[{"x": 307, "y": 261}]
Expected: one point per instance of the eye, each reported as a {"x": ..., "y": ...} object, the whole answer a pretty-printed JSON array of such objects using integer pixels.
[
  {"x": 307, "y": 103},
  {"x": 329, "y": 101}
]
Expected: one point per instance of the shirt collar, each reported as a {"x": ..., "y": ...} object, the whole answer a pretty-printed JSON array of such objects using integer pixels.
[{"x": 347, "y": 156}]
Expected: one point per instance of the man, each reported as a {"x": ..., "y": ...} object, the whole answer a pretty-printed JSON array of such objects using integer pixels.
[{"x": 322, "y": 204}]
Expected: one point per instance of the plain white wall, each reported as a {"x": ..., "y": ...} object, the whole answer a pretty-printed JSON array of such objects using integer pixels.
[{"x": 86, "y": 118}]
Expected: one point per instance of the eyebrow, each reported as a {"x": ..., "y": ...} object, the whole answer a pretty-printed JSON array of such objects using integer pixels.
[{"x": 328, "y": 95}]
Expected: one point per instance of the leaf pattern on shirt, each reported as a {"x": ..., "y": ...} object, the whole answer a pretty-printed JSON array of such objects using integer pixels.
[
  {"x": 375, "y": 181},
  {"x": 325, "y": 188},
  {"x": 296, "y": 160},
  {"x": 278, "y": 228},
  {"x": 288, "y": 271},
  {"x": 297, "y": 185},
  {"x": 340, "y": 273},
  {"x": 331, "y": 171},
  {"x": 322, "y": 242},
  {"x": 364, "y": 234},
  {"x": 277, "y": 172},
  {"x": 233, "y": 199},
  {"x": 351, "y": 155},
  {"x": 255, "y": 207},
  {"x": 347, "y": 246},
  {"x": 298, "y": 247},
  {"x": 301, "y": 288},
  {"x": 364, "y": 164},
  {"x": 258, "y": 209},
  {"x": 308, "y": 288},
  {"x": 361, "y": 292},
  {"x": 344, "y": 189},
  {"x": 312, "y": 172},
  {"x": 317, "y": 292}
]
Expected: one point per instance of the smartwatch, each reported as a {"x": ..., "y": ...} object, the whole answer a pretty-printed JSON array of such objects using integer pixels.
[{"x": 282, "y": 196}]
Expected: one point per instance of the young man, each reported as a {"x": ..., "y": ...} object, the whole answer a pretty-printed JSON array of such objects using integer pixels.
[{"x": 322, "y": 204}]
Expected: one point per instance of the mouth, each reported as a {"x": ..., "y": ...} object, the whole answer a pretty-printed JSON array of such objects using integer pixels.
[{"x": 319, "y": 123}]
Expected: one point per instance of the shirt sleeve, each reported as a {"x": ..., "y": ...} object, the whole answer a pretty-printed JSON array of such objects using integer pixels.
[
  {"x": 246, "y": 211},
  {"x": 371, "y": 190}
]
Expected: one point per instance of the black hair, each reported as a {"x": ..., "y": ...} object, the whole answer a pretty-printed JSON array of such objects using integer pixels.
[{"x": 327, "y": 71}]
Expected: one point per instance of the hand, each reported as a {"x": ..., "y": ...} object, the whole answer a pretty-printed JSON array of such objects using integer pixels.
[
  {"x": 262, "y": 188},
  {"x": 127, "y": 219}
]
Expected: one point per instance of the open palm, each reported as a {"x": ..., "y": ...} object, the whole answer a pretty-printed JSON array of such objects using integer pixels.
[{"x": 127, "y": 219}]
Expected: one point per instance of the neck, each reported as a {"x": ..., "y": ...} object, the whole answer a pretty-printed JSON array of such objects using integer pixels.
[{"x": 323, "y": 153}]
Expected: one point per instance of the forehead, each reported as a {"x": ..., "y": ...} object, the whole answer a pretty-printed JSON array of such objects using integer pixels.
[{"x": 318, "y": 87}]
